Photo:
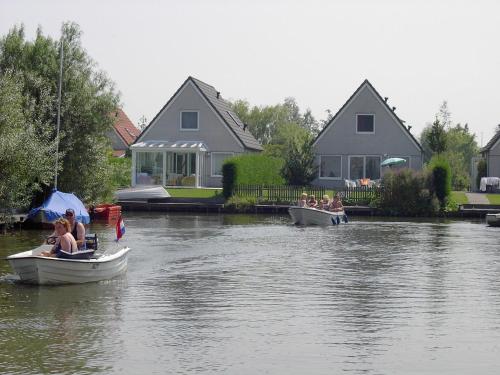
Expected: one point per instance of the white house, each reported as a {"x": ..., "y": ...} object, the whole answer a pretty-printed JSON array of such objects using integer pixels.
[{"x": 189, "y": 139}]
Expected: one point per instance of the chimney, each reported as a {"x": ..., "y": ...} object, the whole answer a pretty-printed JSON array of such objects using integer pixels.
[
  {"x": 245, "y": 127},
  {"x": 386, "y": 98},
  {"x": 393, "y": 109},
  {"x": 409, "y": 127},
  {"x": 218, "y": 95}
]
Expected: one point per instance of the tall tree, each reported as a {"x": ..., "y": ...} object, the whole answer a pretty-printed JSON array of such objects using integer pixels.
[{"x": 89, "y": 97}]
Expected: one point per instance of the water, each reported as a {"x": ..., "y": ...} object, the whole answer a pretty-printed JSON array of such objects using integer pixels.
[{"x": 254, "y": 295}]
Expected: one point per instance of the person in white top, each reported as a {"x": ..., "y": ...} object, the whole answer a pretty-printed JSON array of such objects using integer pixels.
[{"x": 302, "y": 201}]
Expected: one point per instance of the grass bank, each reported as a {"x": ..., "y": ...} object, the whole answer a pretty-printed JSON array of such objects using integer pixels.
[{"x": 194, "y": 193}]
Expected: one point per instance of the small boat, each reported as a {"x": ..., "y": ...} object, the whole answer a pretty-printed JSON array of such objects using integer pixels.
[
  {"x": 107, "y": 212},
  {"x": 493, "y": 220},
  {"x": 33, "y": 268},
  {"x": 313, "y": 216}
]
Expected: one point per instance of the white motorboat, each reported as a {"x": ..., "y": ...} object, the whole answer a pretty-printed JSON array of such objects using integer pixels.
[
  {"x": 314, "y": 216},
  {"x": 33, "y": 268},
  {"x": 493, "y": 220}
]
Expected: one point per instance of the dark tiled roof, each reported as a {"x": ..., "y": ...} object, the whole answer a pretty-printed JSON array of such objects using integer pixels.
[
  {"x": 384, "y": 103},
  {"x": 223, "y": 109},
  {"x": 125, "y": 128},
  {"x": 492, "y": 141}
]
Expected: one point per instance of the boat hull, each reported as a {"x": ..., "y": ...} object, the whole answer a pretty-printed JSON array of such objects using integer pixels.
[
  {"x": 493, "y": 220},
  {"x": 313, "y": 216},
  {"x": 35, "y": 269}
]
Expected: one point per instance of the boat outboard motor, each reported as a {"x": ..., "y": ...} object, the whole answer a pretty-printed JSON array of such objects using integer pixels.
[{"x": 345, "y": 219}]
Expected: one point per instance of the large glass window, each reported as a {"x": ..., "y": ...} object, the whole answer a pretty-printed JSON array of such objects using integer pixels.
[
  {"x": 181, "y": 169},
  {"x": 356, "y": 167},
  {"x": 364, "y": 167},
  {"x": 218, "y": 159},
  {"x": 330, "y": 167},
  {"x": 189, "y": 120},
  {"x": 365, "y": 124},
  {"x": 149, "y": 168}
]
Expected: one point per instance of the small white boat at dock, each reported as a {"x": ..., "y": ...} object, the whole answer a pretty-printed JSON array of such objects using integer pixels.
[
  {"x": 33, "y": 268},
  {"x": 493, "y": 220},
  {"x": 314, "y": 216}
]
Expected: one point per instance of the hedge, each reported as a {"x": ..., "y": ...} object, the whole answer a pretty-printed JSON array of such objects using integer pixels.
[
  {"x": 251, "y": 169},
  {"x": 441, "y": 178}
]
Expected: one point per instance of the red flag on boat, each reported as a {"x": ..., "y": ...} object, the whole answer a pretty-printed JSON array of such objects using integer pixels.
[{"x": 120, "y": 228}]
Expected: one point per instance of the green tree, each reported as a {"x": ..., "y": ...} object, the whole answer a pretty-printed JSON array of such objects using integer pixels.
[
  {"x": 300, "y": 167},
  {"x": 87, "y": 101}
]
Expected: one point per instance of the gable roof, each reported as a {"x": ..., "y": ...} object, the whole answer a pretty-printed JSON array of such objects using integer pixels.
[
  {"x": 125, "y": 129},
  {"x": 222, "y": 108},
  {"x": 384, "y": 103},
  {"x": 492, "y": 142}
]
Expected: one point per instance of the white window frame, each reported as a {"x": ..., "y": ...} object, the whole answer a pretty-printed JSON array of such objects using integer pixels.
[
  {"x": 365, "y": 114},
  {"x": 330, "y": 178},
  {"x": 364, "y": 164},
  {"x": 197, "y": 120},
  {"x": 212, "y": 161}
]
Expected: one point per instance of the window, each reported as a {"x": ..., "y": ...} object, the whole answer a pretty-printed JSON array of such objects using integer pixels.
[
  {"x": 365, "y": 124},
  {"x": 189, "y": 120},
  {"x": 364, "y": 167},
  {"x": 149, "y": 168},
  {"x": 330, "y": 167},
  {"x": 218, "y": 159}
]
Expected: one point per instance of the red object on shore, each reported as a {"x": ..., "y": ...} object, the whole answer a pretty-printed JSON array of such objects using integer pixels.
[{"x": 109, "y": 212}]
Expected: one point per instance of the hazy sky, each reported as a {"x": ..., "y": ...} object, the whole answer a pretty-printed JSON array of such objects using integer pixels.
[{"x": 418, "y": 53}]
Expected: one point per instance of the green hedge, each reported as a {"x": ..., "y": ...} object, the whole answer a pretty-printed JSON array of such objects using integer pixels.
[
  {"x": 251, "y": 169},
  {"x": 441, "y": 179}
]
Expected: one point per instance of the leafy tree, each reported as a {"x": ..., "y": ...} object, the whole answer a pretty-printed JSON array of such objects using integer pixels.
[
  {"x": 300, "y": 167},
  {"x": 482, "y": 169},
  {"x": 437, "y": 137},
  {"x": 88, "y": 99}
]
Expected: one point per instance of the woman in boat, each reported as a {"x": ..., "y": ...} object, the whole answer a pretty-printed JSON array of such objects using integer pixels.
[
  {"x": 313, "y": 203},
  {"x": 336, "y": 205},
  {"x": 302, "y": 201},
  {"x": 324, "y": 203},
  {"x": 64, "y": 241}
]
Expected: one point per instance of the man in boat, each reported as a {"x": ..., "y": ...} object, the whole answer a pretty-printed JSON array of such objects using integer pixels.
[
  {"x": 336, "y": 205},
  {"x": 64, "y": 241},
  {"x": 77, "y": 228},
  {"x": 302, "y": 201}
]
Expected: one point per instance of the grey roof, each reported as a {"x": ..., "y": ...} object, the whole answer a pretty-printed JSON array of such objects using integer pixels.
[
  {"x": 223, "y": 108},
  {"x": 400, "y": 122},
  {"x": 492, "y": 141}
]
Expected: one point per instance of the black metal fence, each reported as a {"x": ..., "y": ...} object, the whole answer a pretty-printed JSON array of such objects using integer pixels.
[{"x": 289, "y": 194}]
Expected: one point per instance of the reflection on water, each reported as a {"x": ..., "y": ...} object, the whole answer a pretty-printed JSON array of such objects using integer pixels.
[{"x": 247, "y": 294}]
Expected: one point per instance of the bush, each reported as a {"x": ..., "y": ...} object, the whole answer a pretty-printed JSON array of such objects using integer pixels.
[
  {"x": 441, "y": 179},
  {"x": 481, "y": 171},
  {"x": 241, "y": 204},
  {"x": 300, "y": 167},
  {"x": 250, "y": 169},
  {"x": 406, "y": 192}
]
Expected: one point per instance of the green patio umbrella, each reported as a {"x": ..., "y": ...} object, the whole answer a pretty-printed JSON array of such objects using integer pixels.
[{"x": 392, "y": 161}]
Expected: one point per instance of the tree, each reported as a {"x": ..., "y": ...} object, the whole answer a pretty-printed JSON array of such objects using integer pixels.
[
  {"x": 300, "y": 167},
  {"x": 437, "y": 137},
  {"x": 88, "y": 100}
]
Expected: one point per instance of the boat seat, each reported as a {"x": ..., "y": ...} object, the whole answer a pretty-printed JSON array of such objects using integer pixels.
[
  {"x": 85, "y": 254},
  {"x": 91, "y": 241}
]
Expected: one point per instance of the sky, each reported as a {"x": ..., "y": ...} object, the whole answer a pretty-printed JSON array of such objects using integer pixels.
[{"x": 417, "y": 53}]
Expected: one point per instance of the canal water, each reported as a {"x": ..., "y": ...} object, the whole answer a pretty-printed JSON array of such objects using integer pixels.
[{"x": 213, "y": 294}]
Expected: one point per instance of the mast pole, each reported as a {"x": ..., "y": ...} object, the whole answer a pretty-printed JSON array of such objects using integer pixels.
[{"x": 59, "y": 90}]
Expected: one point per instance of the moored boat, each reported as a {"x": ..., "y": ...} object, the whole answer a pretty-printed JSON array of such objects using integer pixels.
[
  {"x": 493, "y": 220},
  {"x": 313, "y": 216},
  {"x": 33, "y": 268}
]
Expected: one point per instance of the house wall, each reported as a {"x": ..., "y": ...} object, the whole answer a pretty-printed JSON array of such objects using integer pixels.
[
  {"x": 493, "y": 161},
  {"x": 211, "y": 130},
  {"x": 116, "y": 142},
  {"x": 340, "y": 138}
]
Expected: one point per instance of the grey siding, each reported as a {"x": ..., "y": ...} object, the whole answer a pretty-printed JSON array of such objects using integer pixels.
[
  {"x": 493, "y": 161},
  {"x": 341, "y": 138},
  {"x": 116, "y": 142}
]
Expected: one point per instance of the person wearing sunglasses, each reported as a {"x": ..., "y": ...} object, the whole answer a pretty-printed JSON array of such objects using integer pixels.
[{"x": 77, "y": 228}]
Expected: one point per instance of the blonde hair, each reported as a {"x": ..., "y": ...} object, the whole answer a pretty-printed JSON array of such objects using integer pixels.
[
  {"x": 326, "y": 197},
  {"x": 303, "y": 195},
  {"x": 65, "y": 223}
]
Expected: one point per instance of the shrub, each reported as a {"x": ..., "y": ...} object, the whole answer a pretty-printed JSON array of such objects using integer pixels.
[
  {"x": 240, "y": 203},
  {"x": 481, "y": 171},
  {"x": 441, "y": 179},
  {"x": 251, "y": 169},
  {"x": 300, "y": 166},
  {"x": 406, "y": 192}
]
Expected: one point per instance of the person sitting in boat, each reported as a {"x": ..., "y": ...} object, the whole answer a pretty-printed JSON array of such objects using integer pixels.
[
  {"x": 336, "y": 205},
  {"x": 312, "y": 202},
  {"x": 64, "y": 241},
  {"x": 77, "y": 228},
  {"x": 324, "y": 203},
  {"x": 302, "y": 201}
]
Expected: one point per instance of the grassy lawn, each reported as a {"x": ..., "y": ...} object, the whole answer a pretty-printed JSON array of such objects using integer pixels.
[
  {"x": 193, "y": 193},
  {"x": 459, "y": 197},
  {"x": 493, "y": 198}
]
